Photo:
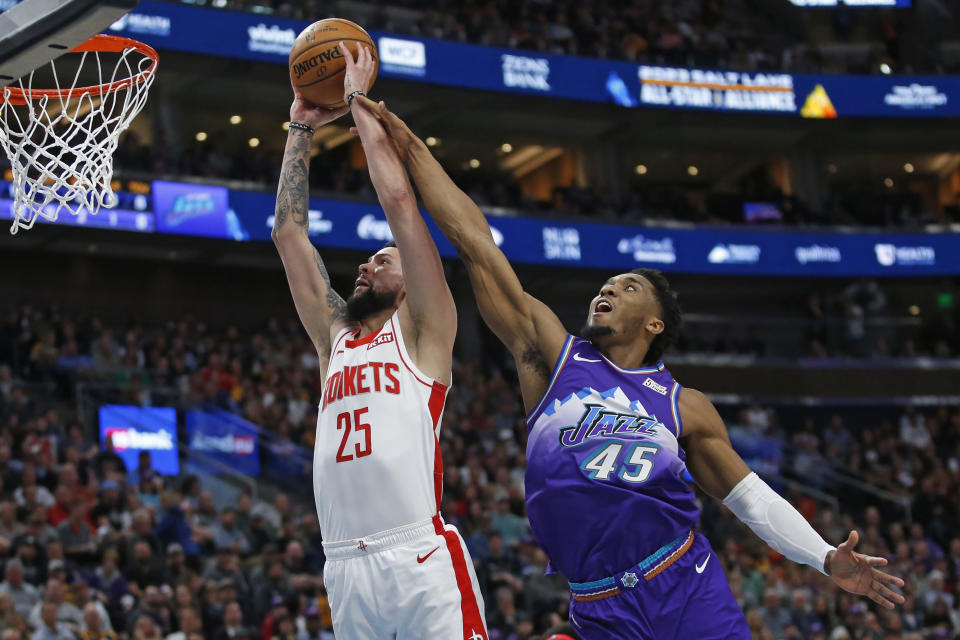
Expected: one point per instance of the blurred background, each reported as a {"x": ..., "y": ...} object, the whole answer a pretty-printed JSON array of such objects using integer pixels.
[{"x": 794, "y": 170}]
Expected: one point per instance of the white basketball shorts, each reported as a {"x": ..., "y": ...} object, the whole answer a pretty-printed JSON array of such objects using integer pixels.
[{"x": 410, "y": 583}]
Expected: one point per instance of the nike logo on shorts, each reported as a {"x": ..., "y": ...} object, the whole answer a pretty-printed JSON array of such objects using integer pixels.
[
  {"x": 424, "y": 558},
  {"x": 577, "y": 357},
  {"x": 701, "y": 567}
]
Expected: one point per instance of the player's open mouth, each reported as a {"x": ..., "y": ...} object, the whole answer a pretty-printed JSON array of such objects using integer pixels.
[
  {"x": 602, "y": 306},
  {"x": 361, "y": 283}
]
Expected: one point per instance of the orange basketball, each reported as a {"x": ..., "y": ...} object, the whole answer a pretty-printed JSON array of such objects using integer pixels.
[{"x": 316, "y": 64}]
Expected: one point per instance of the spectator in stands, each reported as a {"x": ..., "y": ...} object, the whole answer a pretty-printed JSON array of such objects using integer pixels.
[
  {"x": 25, "y": 596},
  {"x": 49, "y": 626},
  {"x": 226, "y": 534},
  {"x": 145, "y": 628},
  {"x": 93, "y": 624},
  {"x": 63, "y": 611},
  {"x": 75, "y": 534},
  {"x": 144, "y": 471},
  {"x": 232, "y": 623},
  {"x": 508, "y": 524},
  {"x": 173, "y": 526}
]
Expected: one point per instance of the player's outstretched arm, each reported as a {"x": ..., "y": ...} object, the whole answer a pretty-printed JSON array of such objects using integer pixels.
[
  {"x": 321, "y": 309},
  {"x": 522, "y": 322},
  {"x": 720, "y": 471},
  {"x": 429, "y": 307}
]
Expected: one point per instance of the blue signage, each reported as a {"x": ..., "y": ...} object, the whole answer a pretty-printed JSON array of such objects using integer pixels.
[
  {"x": 123, "y": 218},
  {"x": 225, "y": 438},
  {"x": 194, "y": 209},
  {"x": 704, "y": 249},
  {"x": 136, "y": 429},
  {"x": 256, "y": 37},
  {"x": 217, "y": 212}
]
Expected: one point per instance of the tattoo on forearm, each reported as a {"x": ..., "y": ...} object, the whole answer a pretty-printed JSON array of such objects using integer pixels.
[
  {"x": 338, "y": 308},
  {"x": 293, "y": 192}
]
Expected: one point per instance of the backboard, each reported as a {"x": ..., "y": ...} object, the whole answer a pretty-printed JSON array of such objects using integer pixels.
[{"x": 33, "y": 32}]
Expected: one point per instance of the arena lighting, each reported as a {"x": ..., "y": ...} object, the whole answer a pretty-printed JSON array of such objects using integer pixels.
[
  {"x": 254, "y": 142},
  {"x": 914, "y": 310},
  {"x": 474, "y": 163},
  {"x": 201, "y": 136},
  {"x": 431, "y": 141},
  {"x": 641, "y": 169},
  {"x": 888, "y": 183},
  {"x": 235, "y": 119},
  {"x": 692, "y": 170},
  {"x": 908, "y": 168},
  {"x": 885, "y": 69},
  {"x": 285, "y": 126},
  {"x": 506, "y": 147}
]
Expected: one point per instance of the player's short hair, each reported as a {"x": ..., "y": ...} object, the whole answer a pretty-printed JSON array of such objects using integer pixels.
[
  {"x": 390, "y": 244},
  {"x": 670, "y": 314}
]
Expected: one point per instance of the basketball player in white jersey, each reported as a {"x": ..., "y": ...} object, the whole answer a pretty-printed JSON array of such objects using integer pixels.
[{"x": 394, "y": 569}]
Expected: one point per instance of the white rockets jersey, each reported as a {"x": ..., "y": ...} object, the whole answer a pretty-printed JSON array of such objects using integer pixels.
[{"x": 376, "y": 462}]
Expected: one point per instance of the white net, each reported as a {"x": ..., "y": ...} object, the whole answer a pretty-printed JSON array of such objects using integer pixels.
[{"x": 60, "y": 142}]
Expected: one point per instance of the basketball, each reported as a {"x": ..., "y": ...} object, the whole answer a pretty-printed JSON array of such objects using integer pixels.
[{"x": 316, "y": 64}]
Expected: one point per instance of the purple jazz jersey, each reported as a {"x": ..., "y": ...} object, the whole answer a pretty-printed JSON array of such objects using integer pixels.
[{"x": 605, "y": 474}]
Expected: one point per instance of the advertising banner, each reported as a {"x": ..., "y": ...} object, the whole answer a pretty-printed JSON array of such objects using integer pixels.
[
  {"x": 136, "y": 429},
  {"x": 250, "y": 36},
  {"x": 225, "y": 438}
]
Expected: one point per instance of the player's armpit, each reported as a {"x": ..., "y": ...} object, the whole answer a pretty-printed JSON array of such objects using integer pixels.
[{"x": 711, "y": 459}]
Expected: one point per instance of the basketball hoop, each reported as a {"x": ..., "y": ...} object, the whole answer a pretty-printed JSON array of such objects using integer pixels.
[{"x": 60, "y": 142}]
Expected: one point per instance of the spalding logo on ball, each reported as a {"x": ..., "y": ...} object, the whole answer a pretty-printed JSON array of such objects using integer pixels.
[{"x": 317, "y": 65}]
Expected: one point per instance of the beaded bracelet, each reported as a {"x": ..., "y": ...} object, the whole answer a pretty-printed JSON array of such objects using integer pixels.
[{"x": 302, "y": 127}]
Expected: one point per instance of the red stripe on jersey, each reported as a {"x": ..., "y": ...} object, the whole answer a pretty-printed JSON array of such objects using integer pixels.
[
  {"x": 404, "y": 360},
  {"x": 473, "y": 626},
  {"x": 350, "y": 344},
  {"x": 438, "y": 398},
  {"x": 337, "y": 343}
]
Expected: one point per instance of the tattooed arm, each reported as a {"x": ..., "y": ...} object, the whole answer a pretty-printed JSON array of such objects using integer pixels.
[{"x": 322, "y": 311}]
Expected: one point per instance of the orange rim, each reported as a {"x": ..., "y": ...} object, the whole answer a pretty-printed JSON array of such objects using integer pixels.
[{"x": 100, "y": 42}]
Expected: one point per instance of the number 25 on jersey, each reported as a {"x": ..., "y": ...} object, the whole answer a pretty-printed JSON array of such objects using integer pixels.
[{"x": 357, "y": 424}]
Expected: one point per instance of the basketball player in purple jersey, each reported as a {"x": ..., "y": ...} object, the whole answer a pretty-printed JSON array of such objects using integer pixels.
[{"x": 611, "y": 434}]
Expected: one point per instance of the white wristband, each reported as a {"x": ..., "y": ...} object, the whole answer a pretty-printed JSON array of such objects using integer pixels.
[{"x": 777, "y": 523}]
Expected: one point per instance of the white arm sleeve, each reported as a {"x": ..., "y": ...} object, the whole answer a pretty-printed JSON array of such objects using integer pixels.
[{"x": 776, "y": 522}]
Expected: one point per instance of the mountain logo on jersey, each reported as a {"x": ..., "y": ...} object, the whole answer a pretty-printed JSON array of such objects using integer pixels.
[
  {"x": 383, "y": 338},
  {"x": 598, "y": 421}
]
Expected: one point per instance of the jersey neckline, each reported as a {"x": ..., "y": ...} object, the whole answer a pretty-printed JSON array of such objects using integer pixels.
[{"x": 350, "y": 344}]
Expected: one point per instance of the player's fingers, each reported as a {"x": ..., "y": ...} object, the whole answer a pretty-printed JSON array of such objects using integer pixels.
[
  {"x": 888, "y": 593},
  {"x": 851, "y": 541},
  {"x": 887, "y": 578},
  {"x": 874, "y": 561},
  {"x": 368, "y": 104},
  {"x": 354, "y": 131},
  {"x": 880, "y": 600},
  {"x": 347, "y": 56}
]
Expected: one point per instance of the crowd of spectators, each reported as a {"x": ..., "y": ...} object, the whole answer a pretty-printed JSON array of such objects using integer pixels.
[
  {"x": 90, "y": 548},
  {"x": 747, "y": 35}
]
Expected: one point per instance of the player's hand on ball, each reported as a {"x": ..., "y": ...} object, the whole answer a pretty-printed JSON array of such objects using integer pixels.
[
  {"x": 310, "y": 114},
  {"x": 857, "y": 573},
  {"x": 359, "y": 72}
]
